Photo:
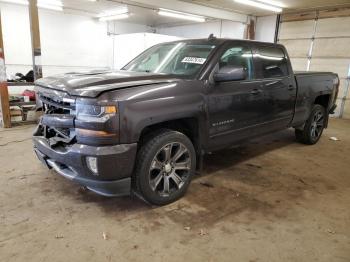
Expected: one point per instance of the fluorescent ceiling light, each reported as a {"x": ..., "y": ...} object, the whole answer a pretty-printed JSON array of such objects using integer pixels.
[
  {"x": 260, "y": 5},
  {"x": 55, "y": 5},
  {"x": 20, "y": 2},
  {"x": 117, "y": 11},
  {"x": 180, "y": 15},
  {"x": 114, "y": 14},
  {"x": 272, "y": 2},
  {"x": 44, "y": 4},
  {"x": 50, "y": 7},
  {"x": 114, "y": 17},
  {"x": 50, "y": 2}
]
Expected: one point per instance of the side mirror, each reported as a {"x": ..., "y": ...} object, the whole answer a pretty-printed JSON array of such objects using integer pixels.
[{"x": 230, "y": 73}]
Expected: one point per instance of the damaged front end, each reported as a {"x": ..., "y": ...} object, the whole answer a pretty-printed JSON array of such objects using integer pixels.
[
  {"x": 57, "y": 122},
  {"x": 78, "y": 138}
]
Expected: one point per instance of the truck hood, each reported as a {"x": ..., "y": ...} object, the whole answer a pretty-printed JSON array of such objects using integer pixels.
[{"x": 94, "y": 83}]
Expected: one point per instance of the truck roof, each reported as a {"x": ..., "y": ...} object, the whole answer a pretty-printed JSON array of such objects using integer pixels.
[{"x": 219, "y": 41}]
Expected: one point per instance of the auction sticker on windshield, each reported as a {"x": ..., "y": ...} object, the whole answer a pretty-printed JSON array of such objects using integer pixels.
[{"x": 193, "y": 60}]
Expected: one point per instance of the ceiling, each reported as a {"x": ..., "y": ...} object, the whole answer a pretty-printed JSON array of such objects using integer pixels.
[
  {"x": 144, "y": 12},
  {"x": 291, "y": 5},
  {"x": 138, "y": 14}
]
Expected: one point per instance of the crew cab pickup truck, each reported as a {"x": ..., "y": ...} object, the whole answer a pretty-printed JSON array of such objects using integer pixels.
[{"x": 144, "y": 129}]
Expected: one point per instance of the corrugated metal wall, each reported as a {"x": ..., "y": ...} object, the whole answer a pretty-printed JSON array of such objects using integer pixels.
[{"x": 320, "y": 41}]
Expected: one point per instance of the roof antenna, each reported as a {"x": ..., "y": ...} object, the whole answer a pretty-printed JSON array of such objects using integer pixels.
[{"x": 211, "y": 37}]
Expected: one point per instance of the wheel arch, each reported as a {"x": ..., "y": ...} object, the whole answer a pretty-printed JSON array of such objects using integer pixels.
[
  {"x": 189, "y": 126},
  {"x": 324, "y": 100}
]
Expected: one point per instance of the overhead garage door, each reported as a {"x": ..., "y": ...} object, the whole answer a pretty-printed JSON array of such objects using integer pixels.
[{"x": 320, "y": 41}]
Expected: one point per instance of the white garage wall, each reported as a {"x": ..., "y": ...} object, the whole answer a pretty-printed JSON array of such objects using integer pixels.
[
  {"x": 320, "y": 44},
  {"x": 16, "y": 37},
  {"x": 265, "y": 28},
  {"x": 225, "y": 29},
  {"x": 117, "y": 27},
  {"x": 69, "y": 42}
]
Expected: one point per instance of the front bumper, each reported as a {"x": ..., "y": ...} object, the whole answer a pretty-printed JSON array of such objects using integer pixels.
[{"x": 115, "y": 165}]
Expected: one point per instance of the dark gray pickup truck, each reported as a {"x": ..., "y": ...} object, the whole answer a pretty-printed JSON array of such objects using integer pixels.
[{"x": 145, "y": 128}]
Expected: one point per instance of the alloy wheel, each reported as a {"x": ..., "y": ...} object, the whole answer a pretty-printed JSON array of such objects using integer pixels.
[
  {"x": 317, "y": 125},
  {"x": 170, "y": 168}
]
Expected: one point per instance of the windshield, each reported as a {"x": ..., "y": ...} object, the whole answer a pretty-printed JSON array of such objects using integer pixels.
[{"x": 178, "y": 58}]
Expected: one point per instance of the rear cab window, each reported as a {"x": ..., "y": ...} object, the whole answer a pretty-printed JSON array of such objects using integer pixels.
[{"x": 270, "y": 62}]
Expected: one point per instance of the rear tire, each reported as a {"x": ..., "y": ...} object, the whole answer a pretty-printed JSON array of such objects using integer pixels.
[
  {"x": 313, "y": 127},
  {"x": 165, "y": 165}
]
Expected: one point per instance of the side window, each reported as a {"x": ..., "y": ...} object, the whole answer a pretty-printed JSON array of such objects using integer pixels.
[
  {"x": 272, "y": 62},
  {"x": 240, "y": 57}
]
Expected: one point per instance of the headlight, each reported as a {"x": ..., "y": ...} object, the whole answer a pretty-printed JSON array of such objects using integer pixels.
[
  {"x": 95, "y": 124},
  {"x": 91, "y": 112}
]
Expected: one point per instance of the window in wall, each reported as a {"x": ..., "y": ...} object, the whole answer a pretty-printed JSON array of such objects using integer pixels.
[
  {"x": 272, "y": 62},
  {"x": 238, "y": 56}
]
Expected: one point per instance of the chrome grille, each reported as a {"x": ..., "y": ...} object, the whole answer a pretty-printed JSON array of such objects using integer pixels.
[{"x": 57, "y": 102}]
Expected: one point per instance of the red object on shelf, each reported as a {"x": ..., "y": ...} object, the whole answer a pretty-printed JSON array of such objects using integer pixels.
[{"x": 29, "y": 93}]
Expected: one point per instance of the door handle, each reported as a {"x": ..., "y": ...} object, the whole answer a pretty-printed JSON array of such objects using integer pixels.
[
  {"x": 291, "y": 87},
  {"x": 255, "y": 91}
]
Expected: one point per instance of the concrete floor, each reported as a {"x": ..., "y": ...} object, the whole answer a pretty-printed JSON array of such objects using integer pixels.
[{"x": 270, "y": 200}]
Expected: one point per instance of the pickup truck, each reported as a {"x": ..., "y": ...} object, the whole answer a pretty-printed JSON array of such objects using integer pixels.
[{"x": 143, "y": 130}]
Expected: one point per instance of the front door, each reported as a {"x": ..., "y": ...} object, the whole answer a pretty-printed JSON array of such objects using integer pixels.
[{"x": 236, "y": 109}]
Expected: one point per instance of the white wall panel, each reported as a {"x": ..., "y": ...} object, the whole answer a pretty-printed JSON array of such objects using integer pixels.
[
  {"x": 265, "y": 28},
  {"x": 297, "y": 48},
  {"x": 332, "y": 47},
  {"x": 226, "y": 29},
  {"x": 343, "y": 88},
  {"x": 330, "y": 52},
  {"x": 16, "y": 36},
  {"x": 337, "y": 110},
  {"x": 231, "y": 29},
  {"x": 73, "y": 41},
  {"x": 299, "y": 64},
  {"x": 297, "y": 29},
  {"x": 153, "y": 39},
  {"x": 346, "y": 113},
  {"x": 118, "y": 27},
  {"x": 340, "y": 66},
  {"x": 333, "y": 27},
  {"x": 69, "y": 42}
]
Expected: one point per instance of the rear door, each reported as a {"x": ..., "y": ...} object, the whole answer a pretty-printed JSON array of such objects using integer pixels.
[{"x": 272, "y": 70}]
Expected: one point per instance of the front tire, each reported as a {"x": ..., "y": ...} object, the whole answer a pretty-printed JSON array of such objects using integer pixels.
[
  {"x": 313, "y": 127},
  {"x": 165, "y": 165}
]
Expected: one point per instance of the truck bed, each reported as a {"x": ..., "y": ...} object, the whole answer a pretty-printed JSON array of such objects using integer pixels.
[
  {"x": 311, "y": 85},
  {"x": 307, "y": 73}
]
